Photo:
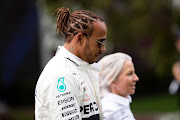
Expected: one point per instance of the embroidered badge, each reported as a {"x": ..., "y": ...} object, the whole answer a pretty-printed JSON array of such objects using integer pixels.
[
  {"x": 61, "y": 86},
  {"x": 86, "y": 97}
]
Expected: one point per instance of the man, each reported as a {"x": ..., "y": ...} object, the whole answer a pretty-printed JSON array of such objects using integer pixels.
[{"x": 68, "y": 87}]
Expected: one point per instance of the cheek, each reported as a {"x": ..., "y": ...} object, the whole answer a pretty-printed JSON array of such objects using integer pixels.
[
  {"x": 131, "y": 89},
  {"x": 123, "y": 88},
  {"x": 129, "y": 84},
  {"x": 87, "y": 50},
  {"x": 122, "y": 85},
  {"x": 127, "y": 81},
  {"x": 94, "y": 50}
]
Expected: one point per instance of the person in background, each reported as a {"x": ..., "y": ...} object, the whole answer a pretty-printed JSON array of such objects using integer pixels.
[
  {"x": 174, "y": 85},
  {"x": 117, "y": 83},
  {"x": 67, "y": 88}
]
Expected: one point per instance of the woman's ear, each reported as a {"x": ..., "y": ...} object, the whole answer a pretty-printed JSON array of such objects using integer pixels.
[
  {"x": 113, "y": 83},
  {"x": 111, "y": 87}
]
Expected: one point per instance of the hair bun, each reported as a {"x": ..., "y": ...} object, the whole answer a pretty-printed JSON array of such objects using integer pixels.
[{"x": 62, "y": 20}]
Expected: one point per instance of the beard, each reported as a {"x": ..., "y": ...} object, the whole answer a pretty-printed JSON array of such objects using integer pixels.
[{"x": 89, "y": 56}]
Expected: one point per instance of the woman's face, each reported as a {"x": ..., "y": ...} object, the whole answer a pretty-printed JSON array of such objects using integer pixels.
[{"x": 126, "y": 81}]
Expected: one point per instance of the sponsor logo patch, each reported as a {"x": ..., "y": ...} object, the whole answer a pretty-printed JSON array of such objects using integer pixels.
[
  {"x": 68, "y": 106},
  {"x": 65, "y": 100},
  {"x": 69, "y": 113},
  {"x": 74, "y": 118},
  {"x": 87, "y": 109},
  {"x": 86, "y": 96},
  {"x": 63, "y": 94},
  {"x": 61, "y": 86}
]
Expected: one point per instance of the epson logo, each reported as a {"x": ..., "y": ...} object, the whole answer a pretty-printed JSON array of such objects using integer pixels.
[
  {"x": 69, "y": 113},
  {"x": 86, "y": 109},
  {"x": 66, "y": 100}
]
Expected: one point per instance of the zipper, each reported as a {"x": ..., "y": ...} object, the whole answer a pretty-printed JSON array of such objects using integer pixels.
[{"x": 95, "y": 96}]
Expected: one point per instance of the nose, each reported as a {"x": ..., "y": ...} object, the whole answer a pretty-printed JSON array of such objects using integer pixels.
[
  {"x": 136, "y": 78},
  {"x": 103, "y": 48}
]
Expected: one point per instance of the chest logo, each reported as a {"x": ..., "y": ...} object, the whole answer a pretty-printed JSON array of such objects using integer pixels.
[
  {"x": 86, "y": 96},
  {"x": 61, "y": 86}
]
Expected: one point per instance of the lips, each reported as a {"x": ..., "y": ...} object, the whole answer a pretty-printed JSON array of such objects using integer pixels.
[{"x": 133, "y": 86}]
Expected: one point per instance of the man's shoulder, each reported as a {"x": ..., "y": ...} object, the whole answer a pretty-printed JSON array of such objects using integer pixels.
[
  {"x": 56, "y": 63},
  {"x": 54, "y": 68},
  {"x": 58, "y": 66}
]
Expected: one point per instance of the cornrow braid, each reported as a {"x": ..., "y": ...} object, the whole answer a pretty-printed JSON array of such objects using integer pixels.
[
  {"x": 62, "y": 20},
  {"x": 78, "y": 22}
]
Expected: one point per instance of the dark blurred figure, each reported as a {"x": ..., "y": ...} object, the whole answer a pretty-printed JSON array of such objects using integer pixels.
[
  {"x": 19, "y": 62},
  {"x": 174, "y": 86},
  {"x": 3, "y": 111}
]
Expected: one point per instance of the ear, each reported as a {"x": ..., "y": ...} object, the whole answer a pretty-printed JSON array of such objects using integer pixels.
[
  {"x": 79, "y": 39},
  {"x": 113, "y": 84},
  {"x": 112, "y": 87}
]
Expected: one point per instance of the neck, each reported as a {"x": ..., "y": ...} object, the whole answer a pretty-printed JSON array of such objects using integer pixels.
[
  {"x": 69, "y": 47},
  {"x": 72, "y": 48}
]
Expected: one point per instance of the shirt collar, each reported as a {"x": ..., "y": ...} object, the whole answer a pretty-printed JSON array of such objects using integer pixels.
[
  {"x": 76, "y": 60},
  {"x": 118, "y": 99},
  {"x": 72, "y": 55}
]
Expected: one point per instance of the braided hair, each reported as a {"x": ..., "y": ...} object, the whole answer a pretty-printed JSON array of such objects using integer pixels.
[{"x": 77, "y": 22}]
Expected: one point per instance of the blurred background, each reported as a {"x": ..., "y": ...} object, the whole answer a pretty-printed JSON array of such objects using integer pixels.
[{"x": 144, "y": 29}]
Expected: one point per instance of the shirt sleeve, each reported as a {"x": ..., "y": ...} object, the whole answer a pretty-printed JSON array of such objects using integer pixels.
[{"x": 58, "y": 99}]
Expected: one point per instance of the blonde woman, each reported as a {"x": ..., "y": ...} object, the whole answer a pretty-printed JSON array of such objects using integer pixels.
[{"x": 117, "y": 83}]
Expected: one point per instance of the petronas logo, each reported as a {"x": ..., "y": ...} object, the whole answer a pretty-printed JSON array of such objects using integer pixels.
[{"x": 61, "y": 86}]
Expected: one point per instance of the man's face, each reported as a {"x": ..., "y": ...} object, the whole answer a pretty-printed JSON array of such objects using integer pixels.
[{"x": 93, "y": 49}]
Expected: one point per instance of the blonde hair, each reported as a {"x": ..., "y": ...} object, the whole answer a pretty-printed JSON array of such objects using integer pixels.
[{"x": 111, "y": 67}]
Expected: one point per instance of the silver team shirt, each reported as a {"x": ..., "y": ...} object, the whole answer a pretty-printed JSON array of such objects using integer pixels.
[{"x": 68, "y": 89}]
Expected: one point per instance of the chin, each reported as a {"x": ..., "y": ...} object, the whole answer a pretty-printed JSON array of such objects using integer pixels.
[
  {"x": 132, "y": 92},
  {"x": 91, "y": 62}
]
